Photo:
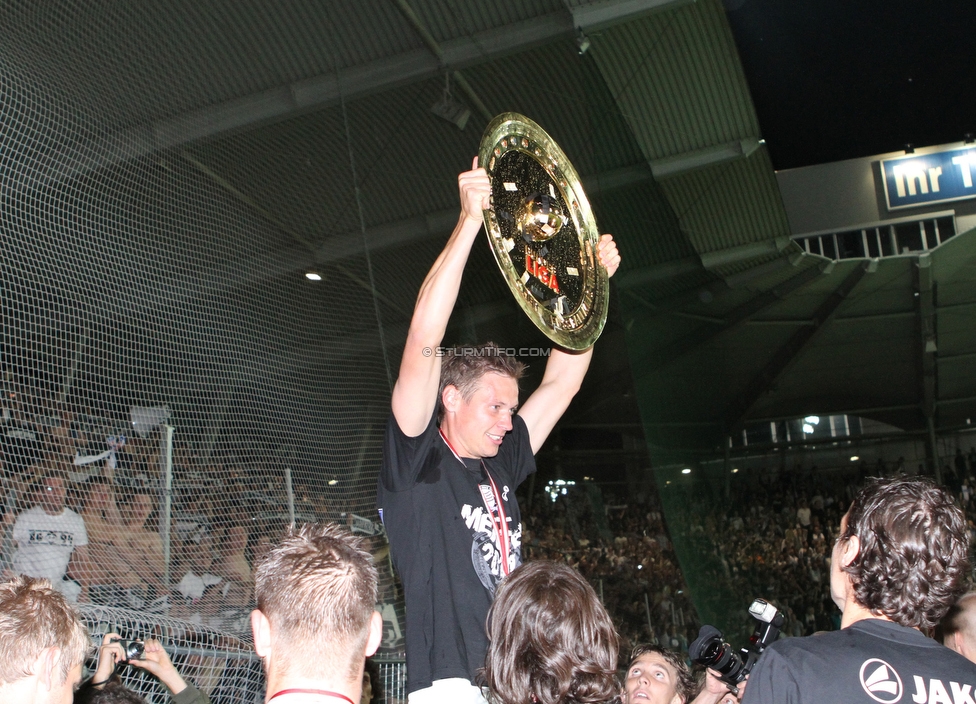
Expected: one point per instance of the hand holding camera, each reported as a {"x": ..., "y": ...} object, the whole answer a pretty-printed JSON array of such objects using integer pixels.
[
  {"x": 728, "y": 666},
  {"x": 149, "y": 655}
]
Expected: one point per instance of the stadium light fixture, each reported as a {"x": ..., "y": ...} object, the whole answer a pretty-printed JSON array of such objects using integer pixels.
[
  {"x": 582, "y": 41},
  {"x": 812, "y": 420},
  {"x": 144, "y": 420},
  {"x": 854, "y": 458},
  {"x": 686, "y": 470},
  {"x": 449, "y": 108},
  {"x": 313, "y": 276}
]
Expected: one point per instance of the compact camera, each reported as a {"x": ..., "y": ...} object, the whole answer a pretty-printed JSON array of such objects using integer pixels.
[
  {"x": 133, "y": 649},
  {"x": 711, "y": 650}
]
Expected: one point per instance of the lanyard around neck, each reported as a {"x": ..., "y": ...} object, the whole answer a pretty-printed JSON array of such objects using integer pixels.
[
  {"x": 499, "y": 520},
  {"x": 318, "y": 692}
]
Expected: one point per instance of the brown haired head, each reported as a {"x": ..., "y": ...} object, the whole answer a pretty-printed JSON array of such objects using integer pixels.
[
  {"x": 463, "y": 368},
  {"x": 685, "y": 684},
  {"x": 551, "y": 640},
  {"x": 317, "y": 588},
  {"x": 33, "y": 617},
  {"x": 913, "y": 550}
]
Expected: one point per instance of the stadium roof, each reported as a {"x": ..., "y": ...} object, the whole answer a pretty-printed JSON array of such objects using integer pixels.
[{"x": 316, "y": 117}]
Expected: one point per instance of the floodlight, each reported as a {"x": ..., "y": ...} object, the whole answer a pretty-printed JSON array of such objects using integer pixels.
[
  {"x": 449, "y": 108},
  {"x": 145, "y": 420}
]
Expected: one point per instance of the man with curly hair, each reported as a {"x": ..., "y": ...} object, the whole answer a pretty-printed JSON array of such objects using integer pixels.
[{"x": 898, "y": 565}]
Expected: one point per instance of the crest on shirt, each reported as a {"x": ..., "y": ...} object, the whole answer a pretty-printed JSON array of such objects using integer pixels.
[
  {"x": 486, "y": 553},
  {"x": 880, "y": 681}
]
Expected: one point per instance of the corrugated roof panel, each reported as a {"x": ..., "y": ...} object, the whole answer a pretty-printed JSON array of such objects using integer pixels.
[
  {"x": 642, "y": 220},
  {"x": 448, "y": 19},
  {"x": 729, "y": 204},
  {"x": 677, "y": 76},
  {"x": 140, "y": 62},
  {"x": 300, "y": 169},
  {"x": 567, "y": 96}
]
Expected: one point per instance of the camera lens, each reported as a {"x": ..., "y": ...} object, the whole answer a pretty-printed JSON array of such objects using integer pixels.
[{"x": 710, "y": 650}]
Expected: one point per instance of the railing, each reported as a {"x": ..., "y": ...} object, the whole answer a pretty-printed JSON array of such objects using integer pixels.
[{"x": 882, "y": 240}]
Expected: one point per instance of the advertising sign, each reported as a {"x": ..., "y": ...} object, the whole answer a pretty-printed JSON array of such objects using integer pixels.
[{"x": 914, "y": 180}]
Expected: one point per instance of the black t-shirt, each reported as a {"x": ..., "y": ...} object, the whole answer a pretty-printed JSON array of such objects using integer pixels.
[
  {"x": 870, "y": 661},
  {"x": 443, "y": 544}
]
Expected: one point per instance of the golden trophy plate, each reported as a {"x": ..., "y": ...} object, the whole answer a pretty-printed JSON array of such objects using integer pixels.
[{"x": 543, "y": 233}]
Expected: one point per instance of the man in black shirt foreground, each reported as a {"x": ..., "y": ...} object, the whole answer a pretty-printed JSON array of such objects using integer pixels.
[
  {"x": 455, "y": 451},
  {"x": 897, "y": 567}
]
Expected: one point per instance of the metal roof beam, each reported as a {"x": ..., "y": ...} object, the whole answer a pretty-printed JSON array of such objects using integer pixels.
[
  {"x": 354, "y": 82},
  {"x": 700, "y": 158},
  {"x": 787, "y": 355},
  {"x": 707, "y": 292},
  {"x": 731, "y": 321},
  {"x": 597, "y": 15},
  {"x": 402, "y": 232},
  {"x": 658, "y": 272},
  {"x": 925, "y": 311}
]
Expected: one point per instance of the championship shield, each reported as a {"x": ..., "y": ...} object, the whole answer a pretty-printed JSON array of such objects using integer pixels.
[{"x": 543, "y": 233}]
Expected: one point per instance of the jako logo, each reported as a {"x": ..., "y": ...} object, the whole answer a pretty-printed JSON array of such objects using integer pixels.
[{"x": 880, "y": 681}]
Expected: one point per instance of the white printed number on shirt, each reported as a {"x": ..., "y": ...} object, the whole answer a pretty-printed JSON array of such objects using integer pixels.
[{"x": 51, "y": 537}]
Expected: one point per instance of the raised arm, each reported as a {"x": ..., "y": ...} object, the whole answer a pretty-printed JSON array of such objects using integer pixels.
[
  {"x": 564, "y": 372},
  {"x": 415, "y": 392}
]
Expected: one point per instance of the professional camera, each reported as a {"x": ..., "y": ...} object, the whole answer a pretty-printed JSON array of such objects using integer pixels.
[
  {"x": 133, "y": 649},
  {"x": 711, "y": 650}
]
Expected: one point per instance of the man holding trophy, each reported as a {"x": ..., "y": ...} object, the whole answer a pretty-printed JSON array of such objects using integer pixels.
[{"x": 455, "y": 448}]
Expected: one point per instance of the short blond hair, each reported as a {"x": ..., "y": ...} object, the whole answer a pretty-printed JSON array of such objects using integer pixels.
[
  {"x": 33, "y": 616},
  {"x": 317, "y": 588}
]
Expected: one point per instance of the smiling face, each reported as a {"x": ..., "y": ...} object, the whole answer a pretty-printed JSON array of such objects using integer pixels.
[
  {"x": 651, "y": 679},
  {"x": 476, "y": 426}
]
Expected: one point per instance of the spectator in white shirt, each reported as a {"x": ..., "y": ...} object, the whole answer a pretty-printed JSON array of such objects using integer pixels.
[{"x": 49, "y": 536}]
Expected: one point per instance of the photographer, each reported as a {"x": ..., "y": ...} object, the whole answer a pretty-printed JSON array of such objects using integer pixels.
[
  {"x": 899, "y": 564},
  {"x": 660, "y": 676},
  {"x": 105, "y": 685}
]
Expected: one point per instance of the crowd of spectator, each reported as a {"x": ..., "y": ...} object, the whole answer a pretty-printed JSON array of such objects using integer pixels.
[
  {"x": 628, "y": 557},
  {"x": 770, "y": 537},
  {"x": 81, "y": 507},
  {"x": 95, "y": 528}
]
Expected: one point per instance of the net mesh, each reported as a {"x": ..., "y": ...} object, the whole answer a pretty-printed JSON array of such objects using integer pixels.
[
  {"x": 222, "y": 666},
  {"x": 161, "y": 348},
  {"x": 162, "y": 353}
]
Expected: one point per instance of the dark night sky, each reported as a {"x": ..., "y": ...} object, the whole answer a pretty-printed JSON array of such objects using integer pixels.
[{"x": 836, "y": 80}]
